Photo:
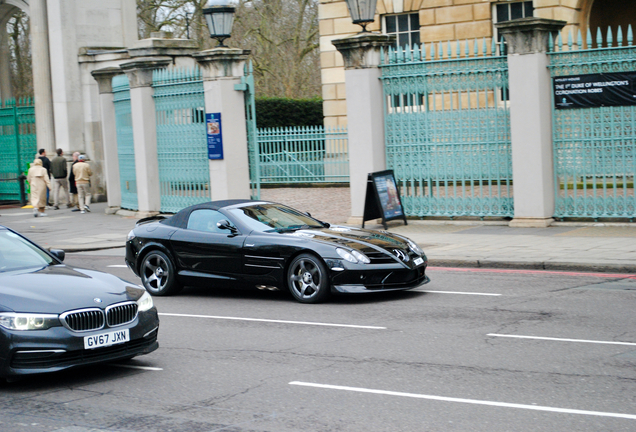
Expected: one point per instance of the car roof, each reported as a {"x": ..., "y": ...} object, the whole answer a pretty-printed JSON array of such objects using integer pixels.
[{"x": 180, "y": 218}]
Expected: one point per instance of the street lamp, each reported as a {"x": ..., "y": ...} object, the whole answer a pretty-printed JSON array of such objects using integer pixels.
[
  {"x": 219, "y": 16},
  {"x": 362, "y": 12}
]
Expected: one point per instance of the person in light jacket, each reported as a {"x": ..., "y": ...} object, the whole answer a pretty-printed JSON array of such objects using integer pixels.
[
  {"x": 38, "y": 178},
  {"x": 82, "y": 172}
]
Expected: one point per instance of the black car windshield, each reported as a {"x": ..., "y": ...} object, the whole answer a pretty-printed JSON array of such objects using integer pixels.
[
  {"x": 274, "y": 218},
  {"x": 17, "y": 253}
]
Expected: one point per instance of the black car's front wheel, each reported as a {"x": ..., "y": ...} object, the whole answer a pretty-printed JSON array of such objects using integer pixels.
[
  {"x": 158, "y": 274},
  {"x": 307, "y": 279}
]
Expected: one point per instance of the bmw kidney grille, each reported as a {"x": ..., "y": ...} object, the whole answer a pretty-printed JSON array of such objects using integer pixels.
[
  {"x": 121, "y": 314},
  {"x": 94, "y": 319}
]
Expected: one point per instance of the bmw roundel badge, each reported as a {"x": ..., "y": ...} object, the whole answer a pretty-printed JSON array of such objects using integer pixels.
[{"x": 97, "y": 300}]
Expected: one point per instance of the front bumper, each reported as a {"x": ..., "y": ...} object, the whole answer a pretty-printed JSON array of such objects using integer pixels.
[
  {"x": 55, "y": 349},
  {"x": 380, "y": 279}
]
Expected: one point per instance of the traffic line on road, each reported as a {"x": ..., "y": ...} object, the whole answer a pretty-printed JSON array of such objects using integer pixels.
[
  {"x": 542, "y": 272},
  {"x": 458, "y": 292},
  {"x": 148, "y": 368},
  {"x": 561, "y": 339},
  {"x": 273, "y": 321},
  {"x": 118, "y": 265},
  {"x": 466, "y": 401}
]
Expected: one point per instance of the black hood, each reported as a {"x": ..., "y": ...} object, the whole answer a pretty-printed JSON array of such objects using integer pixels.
[
  {"x": 59, "y": 288},
  {"x": 355, "y": 238}
]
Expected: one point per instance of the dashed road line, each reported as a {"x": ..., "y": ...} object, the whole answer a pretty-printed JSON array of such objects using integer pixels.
[
  {"x": 466, "y": 401},
  {"x": 561, "y": 339},
  {"x": 273, "y": 321}
]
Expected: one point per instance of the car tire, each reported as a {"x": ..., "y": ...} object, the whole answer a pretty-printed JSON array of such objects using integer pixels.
[
  {"x": 158, "y": 274},
  {"x": 307, "y": 279}
]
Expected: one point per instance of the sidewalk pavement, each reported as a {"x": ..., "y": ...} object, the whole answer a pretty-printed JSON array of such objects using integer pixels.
[{"x": 598, "y": 247}]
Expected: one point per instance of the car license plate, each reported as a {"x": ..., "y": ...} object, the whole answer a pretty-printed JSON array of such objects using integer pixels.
[
  {"x": 418, "y": 261},
  {"x": 106, "y": 339}
]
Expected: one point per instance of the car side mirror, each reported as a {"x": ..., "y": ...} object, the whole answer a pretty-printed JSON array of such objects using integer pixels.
[
  {"x": 58, "y": 253},
  {"x": 225, "y": 224}
]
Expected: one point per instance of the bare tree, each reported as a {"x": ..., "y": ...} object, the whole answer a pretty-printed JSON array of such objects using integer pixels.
[
  {"x": 281, "y": 34},
  {"x": 20, "y": 53}
]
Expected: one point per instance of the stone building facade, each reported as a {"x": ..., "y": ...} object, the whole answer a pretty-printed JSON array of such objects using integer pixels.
[{"x": 426, "y": 21}]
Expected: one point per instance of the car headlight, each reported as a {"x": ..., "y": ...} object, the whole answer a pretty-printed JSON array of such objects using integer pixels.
[
  {"x": 145, "y": 302},
  {"x": 26, "y": 321},
  {"x": 353, "y": 256},
  {"x": 131, "y": 235},
  {"x": 414, "y": 247},
  {"x": 360, "y": 256}
]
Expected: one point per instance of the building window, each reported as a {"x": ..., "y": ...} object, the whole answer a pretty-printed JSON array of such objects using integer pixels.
[
  {"x": 406, "y": 28},
  {"x": 510, "y": 11}
]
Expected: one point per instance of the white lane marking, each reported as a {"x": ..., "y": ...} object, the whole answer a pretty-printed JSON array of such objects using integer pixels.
[
  {"x": 562, "y": 339},
  {"x": 467, "y": 401},
  {"x": 274, "y": 321},
  {"x": 458, "y": 292},
  {"x": 149, "y": 368},
  {"x": 118, "y": 265}
]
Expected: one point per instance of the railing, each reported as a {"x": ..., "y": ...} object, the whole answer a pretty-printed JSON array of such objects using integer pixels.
[
  {"x": 17, "y": 145},
  {"x": 447, "y": 128},
  {"x": 182, "y": 153},
  {"x": 594, "y": 148},
  {"x": 312, "y": 154},
  {"x": 125, "y": 143}
]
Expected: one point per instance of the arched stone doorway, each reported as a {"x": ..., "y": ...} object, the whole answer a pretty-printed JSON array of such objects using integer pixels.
[{"x": 609, "y": 13}]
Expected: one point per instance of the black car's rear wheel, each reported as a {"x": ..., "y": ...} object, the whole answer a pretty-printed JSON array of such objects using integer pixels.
[
  {"x": 158, "y": 274},
  {"x": 307, "y": 279}
]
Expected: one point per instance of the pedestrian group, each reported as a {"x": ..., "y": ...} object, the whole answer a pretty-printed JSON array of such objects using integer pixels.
[{"x": 75, "y": 185}]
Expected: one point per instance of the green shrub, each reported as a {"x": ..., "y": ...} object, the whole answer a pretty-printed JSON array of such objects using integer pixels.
[{"x": 279, "y": 112}]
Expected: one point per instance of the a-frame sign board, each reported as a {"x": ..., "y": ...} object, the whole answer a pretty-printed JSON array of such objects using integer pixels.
[{"x": 383, "y": 198}]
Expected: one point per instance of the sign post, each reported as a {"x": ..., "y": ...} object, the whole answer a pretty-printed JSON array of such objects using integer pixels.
[{"x": 383, "y": 198}]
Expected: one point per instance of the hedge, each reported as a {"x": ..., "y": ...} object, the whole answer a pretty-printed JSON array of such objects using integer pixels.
[{"x": 279, "y": 112}]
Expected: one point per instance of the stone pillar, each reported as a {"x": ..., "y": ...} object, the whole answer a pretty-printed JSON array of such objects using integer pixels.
[
  {"x": 44, "y": 126},
  {"x": 365, "y": 112},
  {"x": 531, "y": 119},
  {"x": 104, "y": 78},
  {"x": 144, "y": 122},
  {"x": 222, "y": 69}
]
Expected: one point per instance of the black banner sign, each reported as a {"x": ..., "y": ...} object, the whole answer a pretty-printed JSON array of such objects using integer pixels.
[
  {"x": 383, "y": 198},
  {"x": 595, "y": 90}
]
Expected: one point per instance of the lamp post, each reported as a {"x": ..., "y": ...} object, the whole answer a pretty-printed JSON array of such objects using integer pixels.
[
  {"x": 219, "y": 16},
  {"x": 362, "y": 12}
]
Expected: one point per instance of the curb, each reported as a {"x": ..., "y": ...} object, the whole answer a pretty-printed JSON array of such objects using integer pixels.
[{"x": 536, "y": 265}]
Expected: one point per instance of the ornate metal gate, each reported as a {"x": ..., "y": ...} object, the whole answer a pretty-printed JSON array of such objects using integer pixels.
[
  {"x": 184, "y": 170},
  {"x": 125, "y": 143},
  {"x": 448, "y": 128},
  {"x": 17, "y": 145},
  {"x": 594, "y": 148}
]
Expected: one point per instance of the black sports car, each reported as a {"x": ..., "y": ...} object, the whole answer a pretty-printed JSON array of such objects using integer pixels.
[
  {"x": 269, "y": 246},
  {"x": 53, "y": 316}
]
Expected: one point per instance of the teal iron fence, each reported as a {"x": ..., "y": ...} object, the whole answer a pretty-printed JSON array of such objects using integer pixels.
[
  {"x": 447, "y": 128},
  {"x": 182, "y": 153},
  {"x": 18, "y": 145},
  {"x": 125, "y": 142},
  {"x": 594, "y": 148},
  {"x": 311, "y": 154}
]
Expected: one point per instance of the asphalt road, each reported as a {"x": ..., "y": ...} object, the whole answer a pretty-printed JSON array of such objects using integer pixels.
[{"x": 475, "y": 350}]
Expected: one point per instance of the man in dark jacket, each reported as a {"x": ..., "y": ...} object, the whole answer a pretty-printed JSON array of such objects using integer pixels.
[{"x": 60, "y": 172}]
